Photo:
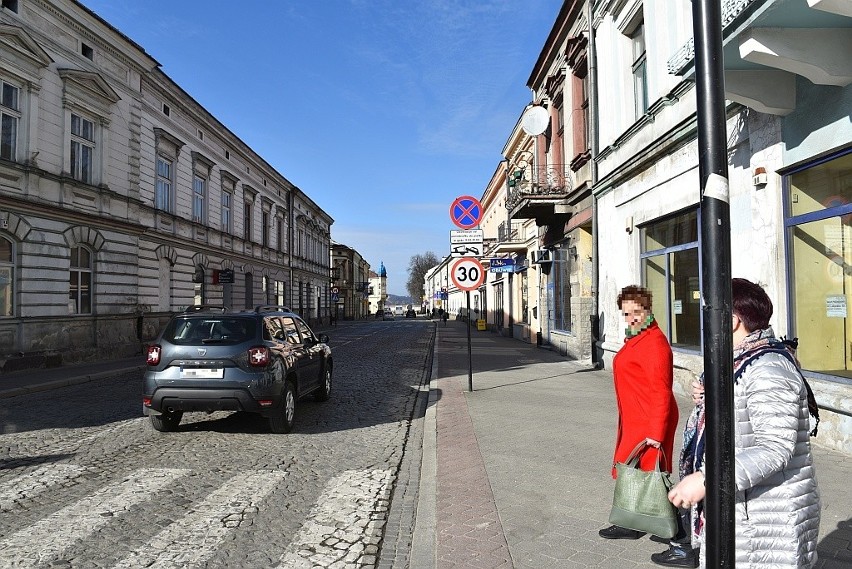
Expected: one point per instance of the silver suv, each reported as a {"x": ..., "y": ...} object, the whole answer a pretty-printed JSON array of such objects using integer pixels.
[{"x": 212, "y": 359}]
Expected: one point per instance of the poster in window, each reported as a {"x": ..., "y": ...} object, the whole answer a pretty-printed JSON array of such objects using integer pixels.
[
  {"x": 677, "y": 307},
  {"x": 835, "y": 306}
]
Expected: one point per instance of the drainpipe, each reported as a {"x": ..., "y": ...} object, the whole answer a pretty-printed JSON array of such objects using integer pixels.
[
  {"x": 291, "y": 202},
  {"x": 592, "y": 65}
]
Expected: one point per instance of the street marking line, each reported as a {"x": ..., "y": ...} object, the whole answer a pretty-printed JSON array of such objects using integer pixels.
[
  {"x": 50, "y": 537},
  {"x": 27, "y": 486},
  {"x": 194, "y": 539},
  {"x": 347, "y": 518}
]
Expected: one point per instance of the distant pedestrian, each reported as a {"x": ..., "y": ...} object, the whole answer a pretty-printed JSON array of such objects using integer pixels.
[
  {"x": 643, "y": 375},
  {"x": 777, "y": 505}
]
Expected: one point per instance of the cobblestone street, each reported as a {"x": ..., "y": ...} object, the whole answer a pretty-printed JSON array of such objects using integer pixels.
[{"x": 86, "y": 482}]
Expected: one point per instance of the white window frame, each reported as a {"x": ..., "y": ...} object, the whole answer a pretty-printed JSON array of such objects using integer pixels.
[
  {"x": 639, "y": 69},
  {"x": 7, "y": 274},
  {"x": 82, "y": 166},
  {"x": 164, "y": 196},
  {"x": 199, "y": 191},
  {"x": 75, "y": 301},
  {"x": 12, "y": 113},
  {"x": 227, "y": 210}
]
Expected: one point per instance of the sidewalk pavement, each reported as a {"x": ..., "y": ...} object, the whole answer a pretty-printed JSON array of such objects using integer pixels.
[{"x": 516, "y": 473}]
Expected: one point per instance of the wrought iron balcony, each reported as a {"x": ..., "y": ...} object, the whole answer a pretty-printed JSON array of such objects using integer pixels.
[
  {"x": 535, "y": 191},
  {"x": 509, "y": 233}
]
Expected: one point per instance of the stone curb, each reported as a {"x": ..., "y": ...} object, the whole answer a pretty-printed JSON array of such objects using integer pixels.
[{"x": 69, "y": 381}]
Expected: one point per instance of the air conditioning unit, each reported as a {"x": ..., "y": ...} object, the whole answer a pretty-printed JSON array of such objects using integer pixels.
[{"x": 541, "y": 256}]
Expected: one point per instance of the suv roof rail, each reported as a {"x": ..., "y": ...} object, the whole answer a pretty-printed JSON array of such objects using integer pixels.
[
  {"x": 271, "y": 308},
  {"x": 202, "y": 307}
]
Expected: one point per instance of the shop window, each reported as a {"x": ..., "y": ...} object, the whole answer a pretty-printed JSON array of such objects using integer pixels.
[
  {"x": 819, "y": 224},
  {"x": 559, "y": 291},
  {"x": 670, "y": 270}
]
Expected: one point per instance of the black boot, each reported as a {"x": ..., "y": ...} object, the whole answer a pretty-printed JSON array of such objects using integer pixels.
[{"x": 677, "y": 556}]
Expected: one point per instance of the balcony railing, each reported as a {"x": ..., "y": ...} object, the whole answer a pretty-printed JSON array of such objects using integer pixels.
[
  {"x": 509, "y": 233},
  {"x": 551, "y": 181},
  {"x": 686, "y": 54}
]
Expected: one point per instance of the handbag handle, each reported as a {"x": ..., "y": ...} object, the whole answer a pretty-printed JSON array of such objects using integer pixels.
[{"x": 633, "y": 458}]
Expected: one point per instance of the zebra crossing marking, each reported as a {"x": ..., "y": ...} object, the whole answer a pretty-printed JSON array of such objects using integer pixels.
[
  {"x": 344, "y": 524},
  {"x": 194, "y": 539},
  {"x": 43, "y": 478},
  {"x": 50, "y": 537}
]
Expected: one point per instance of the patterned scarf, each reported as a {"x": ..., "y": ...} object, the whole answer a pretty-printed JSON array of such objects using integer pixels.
[
  {"x": 692, "y": 455},
  {"x": 628, "y": 333},
  {"x": 757, "y": 340}
]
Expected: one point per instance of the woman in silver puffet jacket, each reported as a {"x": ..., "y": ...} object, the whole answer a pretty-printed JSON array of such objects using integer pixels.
[{"x": 777, "y": 509}]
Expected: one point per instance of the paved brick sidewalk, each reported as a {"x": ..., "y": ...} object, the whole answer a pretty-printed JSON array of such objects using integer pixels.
[
  {"x": 517, "y": 473},
  {"x": 469, "y": 531}
]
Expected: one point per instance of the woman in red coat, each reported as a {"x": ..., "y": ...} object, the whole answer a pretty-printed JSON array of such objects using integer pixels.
[{"x": 647, "y": 410}]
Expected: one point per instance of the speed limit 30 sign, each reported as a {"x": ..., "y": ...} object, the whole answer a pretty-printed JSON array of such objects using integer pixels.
[{"x": 467, "y": 273}]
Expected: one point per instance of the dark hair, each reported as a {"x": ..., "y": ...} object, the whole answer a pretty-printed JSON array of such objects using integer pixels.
[
  {"x": 637, "y": 294},
  {"x": 751, "y": 304}
]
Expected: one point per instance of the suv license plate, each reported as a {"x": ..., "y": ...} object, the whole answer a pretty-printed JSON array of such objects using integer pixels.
[{"x": 202, "y": 373}]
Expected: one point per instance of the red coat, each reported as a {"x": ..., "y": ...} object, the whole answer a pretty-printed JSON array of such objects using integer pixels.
[{"x": 642, "y": 372}]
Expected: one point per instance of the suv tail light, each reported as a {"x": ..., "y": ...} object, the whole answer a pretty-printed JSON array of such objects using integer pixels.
[
  {"x": 258, "y": 356},
  {"x": 154, "y": 353}
]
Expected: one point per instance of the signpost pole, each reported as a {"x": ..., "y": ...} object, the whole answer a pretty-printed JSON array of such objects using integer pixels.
[
  {"x": 469, "y": 351},
  {"x": 716, "y": 279}
]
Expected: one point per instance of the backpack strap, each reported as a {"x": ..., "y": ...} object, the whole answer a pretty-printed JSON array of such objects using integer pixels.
[{"x": 813, "y": 408}]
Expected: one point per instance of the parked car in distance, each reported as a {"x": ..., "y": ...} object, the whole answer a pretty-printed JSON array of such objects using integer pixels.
[
  {"x": 213, "y": 359},
  {"x": 397, "y": 311},
  {"x": 410, "y": 313},
  {"x": 387, "y": 315}
]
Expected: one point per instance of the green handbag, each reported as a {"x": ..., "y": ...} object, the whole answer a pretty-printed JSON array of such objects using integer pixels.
[{"x": 641, "y": 500}]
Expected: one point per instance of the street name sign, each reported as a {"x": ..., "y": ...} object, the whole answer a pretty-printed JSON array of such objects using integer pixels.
[{"x": 501, "y": 265}]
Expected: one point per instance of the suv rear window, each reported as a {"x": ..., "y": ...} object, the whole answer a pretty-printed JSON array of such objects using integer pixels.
[{"x": 210, "y": 330}]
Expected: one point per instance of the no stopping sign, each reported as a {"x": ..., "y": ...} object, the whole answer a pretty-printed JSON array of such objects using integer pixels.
[{"x": 467, "y": 273}]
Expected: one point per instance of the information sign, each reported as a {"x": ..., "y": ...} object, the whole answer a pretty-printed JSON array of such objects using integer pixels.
[
  {"x": 470, "y": 236},
  {"x": 472, "y": 249}
]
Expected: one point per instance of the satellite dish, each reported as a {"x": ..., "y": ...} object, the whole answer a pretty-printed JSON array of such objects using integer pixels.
[{"x": 535, "y": 120}]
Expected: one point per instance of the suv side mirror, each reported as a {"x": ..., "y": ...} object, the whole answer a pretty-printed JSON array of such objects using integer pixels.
[{"x": 323, "y": 338}]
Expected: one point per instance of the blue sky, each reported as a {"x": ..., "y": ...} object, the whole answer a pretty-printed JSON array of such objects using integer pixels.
[{"x": 382, "y": 111}]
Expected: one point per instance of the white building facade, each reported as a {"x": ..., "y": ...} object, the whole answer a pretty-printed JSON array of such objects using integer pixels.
[
  {"x": 790, "y": 164},
  {"x": 122, "y": 200}
]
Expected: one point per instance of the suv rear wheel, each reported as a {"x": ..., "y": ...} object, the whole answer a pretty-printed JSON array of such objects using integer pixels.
[
  {"x": 167, "y": 422},
  {"x": 283, "y": 423}
]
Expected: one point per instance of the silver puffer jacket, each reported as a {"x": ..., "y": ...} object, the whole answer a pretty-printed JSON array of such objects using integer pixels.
[{"x": 777, "y": 508}]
